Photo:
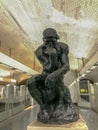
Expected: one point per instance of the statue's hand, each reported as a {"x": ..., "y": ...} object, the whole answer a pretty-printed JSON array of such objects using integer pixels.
[
  {"x": 43, "y": 115},
  {"x": 59, "y": 110},
  {"x": 50, "y": 80}
]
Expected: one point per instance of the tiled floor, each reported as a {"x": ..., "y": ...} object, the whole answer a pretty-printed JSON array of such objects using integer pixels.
[
  {"x": 91, "y": 118},
  {"x": 23, "y": 119},
  {"x": 19, "y": 121}
]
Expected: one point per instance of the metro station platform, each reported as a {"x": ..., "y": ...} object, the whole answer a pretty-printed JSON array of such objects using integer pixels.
[{"x": 23, "y": 119}]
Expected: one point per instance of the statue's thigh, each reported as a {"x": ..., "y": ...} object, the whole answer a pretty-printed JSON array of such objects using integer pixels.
[{"x": 36, "y": 82}]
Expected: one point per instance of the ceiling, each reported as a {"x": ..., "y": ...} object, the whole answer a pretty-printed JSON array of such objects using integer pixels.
[{"x": 23, "y": 21}]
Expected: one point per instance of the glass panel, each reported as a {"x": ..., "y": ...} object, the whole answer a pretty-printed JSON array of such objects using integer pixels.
[
  {"x": 84, "y": 86},
  {"x": 2, "y": 98},
  {"x": 27, "y": 98},
  {"x": 85, "y": 98},
  {"x": 16, "y": 98},
  {"x": 84, "y": 90}
]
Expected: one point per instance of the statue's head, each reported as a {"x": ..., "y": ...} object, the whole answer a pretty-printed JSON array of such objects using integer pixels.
[{"x": 49, "y": 34}]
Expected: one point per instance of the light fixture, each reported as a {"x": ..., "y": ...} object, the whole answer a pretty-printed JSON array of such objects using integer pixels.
[
  {"x": 7, "y": 80},
  {"x": 13, "y": 80},
  {"x": 1, "y": 79},
  {"x": 93, "y": 67},
  {"x": 83, "y": 75},
  {"x": 96, "y": 83},
  {"x": 88, "y": 71},
  {"x": 4, "y": 65},
  {"x": 4, "y": 59},
  {"x": 4, "y": 73},
  {"x": 59, "y": 17},
  {"x": 96, "y": 64},
  {"x": 86, "y": 23}
]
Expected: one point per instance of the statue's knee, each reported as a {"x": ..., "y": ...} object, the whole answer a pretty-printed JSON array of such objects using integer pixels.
[{"x": 32, "y": 82}]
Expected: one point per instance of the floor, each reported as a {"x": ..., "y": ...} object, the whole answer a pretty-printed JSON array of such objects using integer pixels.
[
  {"x": 23, "y": 119},
  {"x": 91, "y": 118},
  {"x": 20, "y": 121}
]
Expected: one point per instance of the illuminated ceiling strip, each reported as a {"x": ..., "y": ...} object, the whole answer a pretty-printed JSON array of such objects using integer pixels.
[
  {"x": 1, "y": 79},
  {"x": 4, "y": 72},
  {"x": 4, "y": 59},
  {"x": 7, "y": 80}
]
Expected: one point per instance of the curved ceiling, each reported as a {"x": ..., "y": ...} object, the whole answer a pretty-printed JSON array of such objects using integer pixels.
[{"x": 23, "y": 21}]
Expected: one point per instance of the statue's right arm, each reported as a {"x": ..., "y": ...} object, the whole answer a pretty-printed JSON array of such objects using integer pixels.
[{"x": 40, "y": 55}]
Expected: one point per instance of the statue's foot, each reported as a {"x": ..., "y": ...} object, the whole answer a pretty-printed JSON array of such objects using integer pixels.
[
  {"x": 61, "y": 115},
  {"x": 59, "y": 111},
  {"x": 72, "y": 113},
  {"x": 43, "y": 116}
]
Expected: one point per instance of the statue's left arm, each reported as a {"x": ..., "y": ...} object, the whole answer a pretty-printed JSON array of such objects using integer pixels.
[
  {"x": 64, "y": 60},
  {"x": 65, "y": 65}
]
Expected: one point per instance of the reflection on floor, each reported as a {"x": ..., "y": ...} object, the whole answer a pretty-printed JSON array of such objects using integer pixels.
[
  {"x": 20, "y": 121},
  {"x": 91, "y": 118},
  {"x": 23, "y": 119}
]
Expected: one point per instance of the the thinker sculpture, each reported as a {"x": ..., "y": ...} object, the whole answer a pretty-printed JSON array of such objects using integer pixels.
[{"x": 48, "y": 88}]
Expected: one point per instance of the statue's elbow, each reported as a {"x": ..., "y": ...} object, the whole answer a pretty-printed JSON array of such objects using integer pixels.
[{"x": 67, "y": 68}]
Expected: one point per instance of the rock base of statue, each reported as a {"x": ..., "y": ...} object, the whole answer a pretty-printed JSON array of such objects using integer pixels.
[
  {"x": 78, "y": 125},
  {"x": 60, "y": 116}
]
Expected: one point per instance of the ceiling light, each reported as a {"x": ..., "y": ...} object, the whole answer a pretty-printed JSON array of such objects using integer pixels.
[
  {"x": 96, "y": 64},
  {"x": 93, "y": 67},
  {"x": 4, "y": 65},
  {"x": 96, "y": 83},
  {"x": 88, "y": 71},
  {"x": 59, "y": 17},
  {"x": 1, "y": 79},
  {"x": 4, "y": 73},
  {"x": 83, "y": 75},
  {"x": 13, "y": 80},
  {"x": 7, "y": 80},
  {"x": 4, "y": 59},
  {"x": 86, "y": 23}
]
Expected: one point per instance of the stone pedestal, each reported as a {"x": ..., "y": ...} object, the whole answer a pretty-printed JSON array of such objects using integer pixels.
[{"x": 78, "y": 125}]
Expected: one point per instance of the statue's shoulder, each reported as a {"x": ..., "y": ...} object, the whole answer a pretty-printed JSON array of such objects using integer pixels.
[
  {"x": 63, "y": 45},
  {"x": 39, "y": 48}
]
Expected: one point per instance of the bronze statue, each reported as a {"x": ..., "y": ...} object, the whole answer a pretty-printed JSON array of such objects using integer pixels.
[{"x": 48, "y": 88}]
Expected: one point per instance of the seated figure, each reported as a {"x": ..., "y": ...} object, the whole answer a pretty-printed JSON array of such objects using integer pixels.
[{"x": 48, "y": 88}]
